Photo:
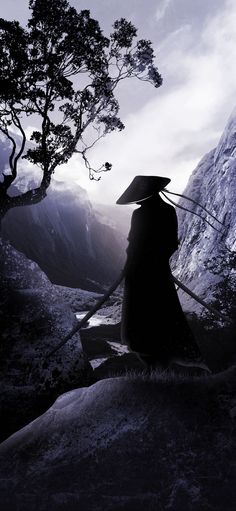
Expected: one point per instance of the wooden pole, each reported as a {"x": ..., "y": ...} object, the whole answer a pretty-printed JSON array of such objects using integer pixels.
[
  {"x": 199, "y": 300},
  {"x": 89, "y": 314},
  {"x": 111, "y": 290}
]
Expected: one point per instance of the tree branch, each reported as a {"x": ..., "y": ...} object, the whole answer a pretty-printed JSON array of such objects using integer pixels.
[
  {"x": 31, "y": 196},
  {"x": 8, "y": 178},
  {"x": 17, "y": 123}
]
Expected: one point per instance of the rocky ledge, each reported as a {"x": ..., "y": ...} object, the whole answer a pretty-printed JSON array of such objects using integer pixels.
[
  {"x": 132, "y": 443},
  {"x": 34, "y": 317}
]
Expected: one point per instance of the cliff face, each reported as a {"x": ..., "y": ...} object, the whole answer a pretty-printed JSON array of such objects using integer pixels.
[
  {"x": 66, "y": 238},
  {"x": 213, "y": 184}
]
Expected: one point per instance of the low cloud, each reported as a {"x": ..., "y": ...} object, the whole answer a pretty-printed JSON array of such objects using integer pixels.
[
  {"x": 170, "y": 134},
  {"x": 161, "y": 9}
]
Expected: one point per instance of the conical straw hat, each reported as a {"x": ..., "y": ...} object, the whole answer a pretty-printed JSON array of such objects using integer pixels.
[{"x": 143, "y": 187}]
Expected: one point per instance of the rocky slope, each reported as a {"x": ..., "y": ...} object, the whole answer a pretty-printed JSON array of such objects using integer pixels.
[
  {"x": 73, "y": 245},
  {"x": 129, "y": 443},
  {"x": 34, "y": 317},
  {"x": 213, "y": 184}
]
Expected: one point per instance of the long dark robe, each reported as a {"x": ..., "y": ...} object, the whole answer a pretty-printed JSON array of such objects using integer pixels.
[{"x": 153, "y": 321}]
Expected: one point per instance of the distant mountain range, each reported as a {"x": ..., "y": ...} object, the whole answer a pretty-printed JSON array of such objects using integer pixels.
[{"x": 72, "y": 243}]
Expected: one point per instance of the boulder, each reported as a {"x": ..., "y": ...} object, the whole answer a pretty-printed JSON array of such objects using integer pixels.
[
  {"x": 128, "y": 443},
  {"x": 34, "y": 318}
]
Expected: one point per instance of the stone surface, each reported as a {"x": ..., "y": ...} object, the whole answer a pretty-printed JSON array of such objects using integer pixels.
[
  {"x": 129, "y": 443},
  {"x": 213, "y": 184},
  {"x": 34, "y": 318}
]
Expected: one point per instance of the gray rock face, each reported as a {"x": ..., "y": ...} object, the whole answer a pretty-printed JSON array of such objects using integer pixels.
[
  {"x": 213, "y": 184},
  {"x": 34, "y": 318},
  {"x": 70, "y": 243},
  {"x": 127, "y": 443}
]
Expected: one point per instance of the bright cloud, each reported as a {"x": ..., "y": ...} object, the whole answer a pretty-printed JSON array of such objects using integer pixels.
[
  {"x": 170, "y": 134},
  {"x": 162, "y": 8}
]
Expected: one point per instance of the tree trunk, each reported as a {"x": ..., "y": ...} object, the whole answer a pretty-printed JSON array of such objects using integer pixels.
[
  {"x": 24, "y": 199},
  {"x": 4, "y": 207}
]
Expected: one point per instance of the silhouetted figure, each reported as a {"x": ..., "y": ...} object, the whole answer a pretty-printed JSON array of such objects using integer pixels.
[{"x": 153, "y": 322}]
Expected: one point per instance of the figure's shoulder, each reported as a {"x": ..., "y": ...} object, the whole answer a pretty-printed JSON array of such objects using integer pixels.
[
  {"x": 169, "y": 209},
  {"x": 136, "y": 213}
]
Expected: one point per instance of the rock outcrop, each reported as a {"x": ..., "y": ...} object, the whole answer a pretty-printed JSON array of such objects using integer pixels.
[
  {"x": 129, "y": 443},
  {"x": 34, "y": 318}
]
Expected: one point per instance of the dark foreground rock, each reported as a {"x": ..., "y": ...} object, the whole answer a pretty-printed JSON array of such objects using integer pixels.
[
  {"x": 34, "y": 318},
  {"x": 95, "y": 340},
  {"x": 129, "y": 443},
  {"x": 95, "y": 348}
]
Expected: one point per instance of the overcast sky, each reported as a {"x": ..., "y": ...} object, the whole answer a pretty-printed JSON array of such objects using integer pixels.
[{"x": 169, "y": 129}]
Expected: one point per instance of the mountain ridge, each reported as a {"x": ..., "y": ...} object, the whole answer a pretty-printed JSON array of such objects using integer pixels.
[{"x": 68, "y": 240}]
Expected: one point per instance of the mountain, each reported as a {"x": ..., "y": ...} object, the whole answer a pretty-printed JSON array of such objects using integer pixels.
[
  {"x": 73, "y": 245},
  {"x": 212, "y": 184},
  {"x": 118, "y": 217}
]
